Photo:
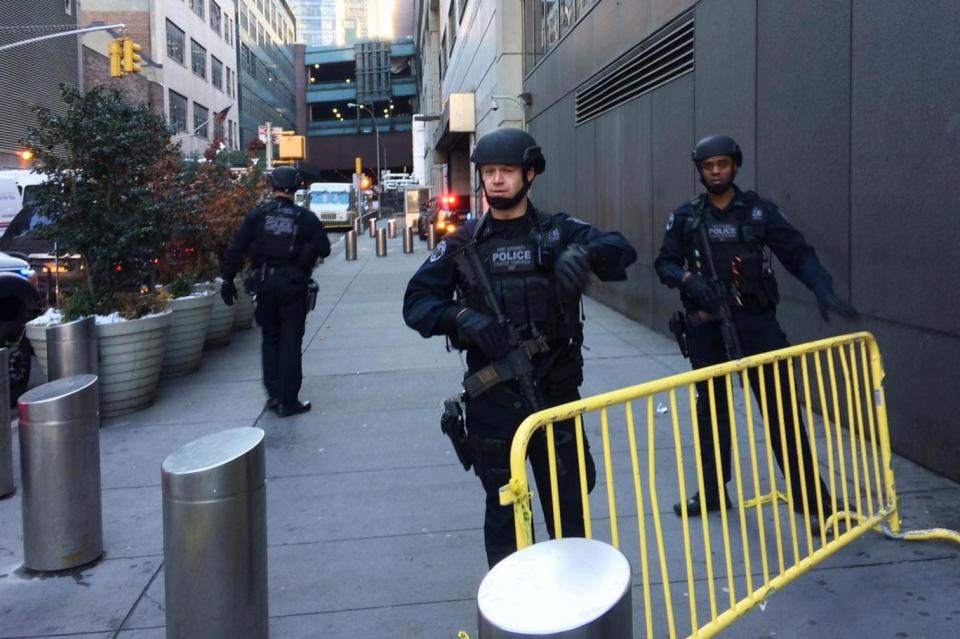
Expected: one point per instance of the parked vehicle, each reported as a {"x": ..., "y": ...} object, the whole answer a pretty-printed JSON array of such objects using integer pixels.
[
  {"x": 445, "y": 213},
  {"x": 19, "y": 303},
  {"x": 330, "y": 201}
]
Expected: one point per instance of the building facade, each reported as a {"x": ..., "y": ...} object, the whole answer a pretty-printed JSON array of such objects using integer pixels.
[
  {"x": 317, "y": 21},
  {"x": 36, "y": 70},
  {"x": 380, "y": 76},
  {"x": 189, "y": 64},
  {"x": 267, "y": 31},
  {"x": 471, "y": 50},
  {"x": 845, "y": 112}
]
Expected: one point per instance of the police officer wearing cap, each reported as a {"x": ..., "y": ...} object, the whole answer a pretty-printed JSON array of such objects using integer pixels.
[
  {"x": 538, "y": 265},
  {"x": 743, "y": 229},
  {"x": 283, "y": 241}
]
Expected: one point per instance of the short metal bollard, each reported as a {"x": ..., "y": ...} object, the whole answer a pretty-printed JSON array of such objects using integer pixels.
[
  {"x": 381, "y": 242},
  {"x": 72, "y": 348},
  {"x": 350, "y": 246},
  {"x": 431, "y": 238},
  {"x": 60, "y": 467},
  {"x": 215, "y": 537},
  {"x": 358, "y": 225},
  {"x": 6, "y": 437},
  {"x": 373, "y": 227},
  {"x": 392, "y": 228},
  {"x": 563, "y": 589},
  {"x": 408, "y": 239}
]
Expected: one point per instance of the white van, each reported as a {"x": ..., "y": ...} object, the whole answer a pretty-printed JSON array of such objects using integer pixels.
[
  {"x": 330, "y": 201},
  {"x": 13, "y": 184}
]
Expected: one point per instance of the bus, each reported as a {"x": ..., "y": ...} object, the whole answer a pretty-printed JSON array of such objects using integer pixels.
[{"x": 330, "y": 201}]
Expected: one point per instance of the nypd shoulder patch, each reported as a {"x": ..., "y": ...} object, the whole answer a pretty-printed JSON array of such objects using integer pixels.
[
  {"x": 439, "y": 251},
  {"x": 670, "y": 222},
  {"x": 757, "y": 214}
]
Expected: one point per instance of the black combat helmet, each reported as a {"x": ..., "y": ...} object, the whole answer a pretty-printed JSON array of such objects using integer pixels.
[
  {"x": 286, "y": 179},
  {"x": 509, "y": 146},
  {"x": 713, "y": 145}
]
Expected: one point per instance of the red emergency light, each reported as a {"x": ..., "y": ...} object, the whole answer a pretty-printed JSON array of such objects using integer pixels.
[{"x": 450, "y": 199}]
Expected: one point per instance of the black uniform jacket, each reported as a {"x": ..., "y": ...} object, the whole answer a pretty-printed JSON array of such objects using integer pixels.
[
  {"x": 773, "y": 231},
  {"x": 430, "y": 291},
  {"x": 311, "y": 242}
]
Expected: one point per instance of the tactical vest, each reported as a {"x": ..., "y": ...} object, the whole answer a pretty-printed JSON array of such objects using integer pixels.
[
  {"x": 277, "y": 232},
  {"x": 739, "y": 255},
  {"x": 521, "y": 274}
]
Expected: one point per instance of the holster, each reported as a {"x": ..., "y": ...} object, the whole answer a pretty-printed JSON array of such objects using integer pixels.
[
  {"x": 312, "y": 290},
  {"x": 453, "y": 425},
  {"x": 678, "y": 326}
]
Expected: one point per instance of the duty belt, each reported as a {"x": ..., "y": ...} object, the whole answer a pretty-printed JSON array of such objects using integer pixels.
[{"x": 288, "y": 269}]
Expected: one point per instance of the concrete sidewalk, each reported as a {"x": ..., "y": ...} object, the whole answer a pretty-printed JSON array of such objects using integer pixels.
[{"x": 374, "y": 528}]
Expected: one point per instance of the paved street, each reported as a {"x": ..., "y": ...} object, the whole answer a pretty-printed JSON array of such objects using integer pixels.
[{"x": 374, "y": 529}]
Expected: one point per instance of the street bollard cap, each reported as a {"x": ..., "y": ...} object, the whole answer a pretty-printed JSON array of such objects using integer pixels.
[
  {"x": 215, "y": 467},
  {"x": 67, "y": 399},
  {"x": 563, "y": 584},
  {"x": 82, "y": 329}
]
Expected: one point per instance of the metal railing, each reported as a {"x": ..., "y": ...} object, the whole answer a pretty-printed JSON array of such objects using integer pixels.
[{"x": 777, "y": 532}]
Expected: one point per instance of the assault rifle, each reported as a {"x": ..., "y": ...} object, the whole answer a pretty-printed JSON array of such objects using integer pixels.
[
  {"x": 518, "y": 364},
  {"x": 728, "y": 330}
]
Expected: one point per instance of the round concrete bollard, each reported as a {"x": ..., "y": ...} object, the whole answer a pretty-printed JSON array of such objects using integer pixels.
[
  {"x": 215, "y": 537},
  {"x": 372, "y": 224},
  {"x": 60, "y": 464},
  {"x": 408, "y": 239},
  {"x": 562, "y": 589},
  {"x": 381, "y": 243},
  {"x": 350, "y": 246},
  {"x": 431, "y": 238},
  {"x": 392, "y": 228},
  {"x": 6, "y": 437},
  {"x": 72, "y": 348}
]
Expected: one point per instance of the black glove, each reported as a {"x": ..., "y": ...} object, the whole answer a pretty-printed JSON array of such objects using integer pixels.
[
  {"x": 828, "y": 301},
  {"x": 700, "y": 291},
  {"x": 481, "y": 330},
  {"x": 573, "y": 270},
  {"x": 228, "y": 291}
]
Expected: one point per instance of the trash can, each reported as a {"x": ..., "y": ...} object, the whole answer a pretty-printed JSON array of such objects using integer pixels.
[
  {"x": 60, "y": 467},
  {"x": 215, "y": 537},
  {"x": 562, "y": 589},
  {"x": 72, "y": 348},
  {"x": 6, "y": 437}
]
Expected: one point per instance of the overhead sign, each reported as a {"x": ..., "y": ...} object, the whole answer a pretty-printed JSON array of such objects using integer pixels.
[{"x": 463, "y": 117}]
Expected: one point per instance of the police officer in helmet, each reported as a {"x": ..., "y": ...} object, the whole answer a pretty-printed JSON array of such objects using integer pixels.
[
  {"x": 742, "y": 230},
  {"x": 283, "y": 241},
  {"x": 538, "y": 265}
]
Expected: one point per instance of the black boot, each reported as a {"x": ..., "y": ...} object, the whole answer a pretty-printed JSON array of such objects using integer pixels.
[
  {"x": 693, "y": 505},
  {"x": 272, "y": 403},
  {"x": 286, "y": 410}
]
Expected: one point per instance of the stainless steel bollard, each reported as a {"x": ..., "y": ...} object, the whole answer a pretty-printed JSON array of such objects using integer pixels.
[
  {"x": 408, "y": 239},
  {"x": 60, "y": 466},
  {"x": 6, "y": 437},
  {"x": 392, "y": 228},
  {"x": 381, "y": 242},
  {"x": 373, "y": 227},
  {"x": 215, "y": 537},
  {"x": 72, "y": 348},
  {"x": 358, "y": 225},
  {"x": 431, "y": 238},
  {"x": 563, "y": 589},
  {"x": 350, "y": 246}
]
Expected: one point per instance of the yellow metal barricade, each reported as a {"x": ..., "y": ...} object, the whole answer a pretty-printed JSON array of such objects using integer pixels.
[{"x": 769, "y": 537}]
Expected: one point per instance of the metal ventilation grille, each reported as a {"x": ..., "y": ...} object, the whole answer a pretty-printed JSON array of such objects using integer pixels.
[{"x": 652, "y": 65}]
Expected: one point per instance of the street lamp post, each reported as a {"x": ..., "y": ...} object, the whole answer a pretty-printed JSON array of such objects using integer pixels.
[{"x": 376, "y": 131}]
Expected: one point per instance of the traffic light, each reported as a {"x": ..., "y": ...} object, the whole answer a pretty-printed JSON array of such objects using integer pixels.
[
  {"x": 365, "y": 182},
  {"x": 116, "y": 54},
  {"x": 131, "y": 56}
]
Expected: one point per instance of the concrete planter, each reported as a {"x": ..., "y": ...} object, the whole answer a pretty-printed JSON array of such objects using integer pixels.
[
  {"x": 131, "y": 356},
  {"x": 220, "y": 326},
  {"x": 188, "y": 331},
  {"x": 243, "y": 318}
]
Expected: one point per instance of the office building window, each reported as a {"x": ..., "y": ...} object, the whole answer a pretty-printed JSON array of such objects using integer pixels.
[
  {"x": 260, "y": 5},
  {"x": 216, "y": 16},
  {"x": 178, "y": 112},
  {"x": 197, "y": 6},
  {"x": 228, "y": 30},
  {"x": 175, "y": 42},
  {"x": 218, "y": 130},
  {"x": 201, "y": 115},
  {"x": 198, "y": 59},
  {"x": 452, "y": 25},
  {"x": 244, "y": 25},
  {"x": 216, "y": 72},
  {"x": 230, "y": 134},
  {"x": 229, "y": 82}
]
